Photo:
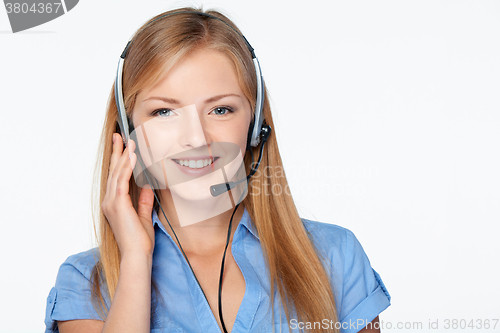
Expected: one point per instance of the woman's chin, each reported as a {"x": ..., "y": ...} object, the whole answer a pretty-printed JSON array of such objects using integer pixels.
[{"x": 187, "y": 193}]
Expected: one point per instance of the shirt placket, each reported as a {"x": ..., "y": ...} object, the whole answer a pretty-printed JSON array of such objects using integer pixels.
[
  {"x": 251, "y": 299},
  {"x": 205, "y": 317},
  {"x": 253, "y": 291}
]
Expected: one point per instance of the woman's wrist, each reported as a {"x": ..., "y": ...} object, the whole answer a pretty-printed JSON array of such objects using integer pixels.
[{"x": 136, "y": 258}]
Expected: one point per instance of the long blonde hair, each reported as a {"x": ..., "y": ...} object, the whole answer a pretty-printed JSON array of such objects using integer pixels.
[{"x": 295, "y": 268}]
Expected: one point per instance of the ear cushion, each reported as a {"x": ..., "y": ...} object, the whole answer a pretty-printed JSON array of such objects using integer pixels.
[
  {"x": 249, "y": 136},
  {"x": 130, "y": 127}
]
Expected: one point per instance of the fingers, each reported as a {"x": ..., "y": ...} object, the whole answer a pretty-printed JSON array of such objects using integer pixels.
[
  {"x": 131, "y": 231},
  {"x": 124, "y": 162},
  {"x": 123, "y": 171},
  {"x": 115, "y": 157},
  {"x": 116, "y": 153},
  {"x": 145, "y": 206}
]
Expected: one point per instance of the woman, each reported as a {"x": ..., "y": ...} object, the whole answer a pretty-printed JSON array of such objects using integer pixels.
[{"x": 153, "y": 271}]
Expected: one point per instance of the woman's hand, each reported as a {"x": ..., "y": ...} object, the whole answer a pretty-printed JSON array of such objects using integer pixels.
[{"x": 133, "y": 231}]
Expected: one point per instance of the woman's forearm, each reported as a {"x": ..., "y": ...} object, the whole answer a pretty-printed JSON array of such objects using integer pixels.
[{"x": 131, "y": 307}]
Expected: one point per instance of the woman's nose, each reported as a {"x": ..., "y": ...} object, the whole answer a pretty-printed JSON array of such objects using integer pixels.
[{"x": 192, "y": 130}]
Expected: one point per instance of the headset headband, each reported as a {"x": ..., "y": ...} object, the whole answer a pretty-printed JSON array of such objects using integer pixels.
[{"x": 254, "y": 131}]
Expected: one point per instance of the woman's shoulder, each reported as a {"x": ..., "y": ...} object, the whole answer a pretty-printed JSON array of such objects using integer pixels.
[
  {"x": 358, "y": 287},
  {"x": 337, "y": 244},
  {"x": 328, "y": 237},
  {"x": 82, "y": 262},
  {"x": 322, "y": 227},
  {"x": 71, "y": 296},
  {"x": 338, "y": 247}
]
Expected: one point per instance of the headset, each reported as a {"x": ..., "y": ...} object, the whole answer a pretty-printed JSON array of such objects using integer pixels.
[
  {"x": 256, "y": 127},
  {"x": 257, "y": 133}
]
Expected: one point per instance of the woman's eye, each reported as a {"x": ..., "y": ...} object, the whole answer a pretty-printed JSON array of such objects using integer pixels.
[
  {"x": 162, "y": 112},
  {"x": 222, "y": 110}
]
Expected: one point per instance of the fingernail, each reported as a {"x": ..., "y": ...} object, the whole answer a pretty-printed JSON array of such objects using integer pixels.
[{"x": 114, "y": 138}]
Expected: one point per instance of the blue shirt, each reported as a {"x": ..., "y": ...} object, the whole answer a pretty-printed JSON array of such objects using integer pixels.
[{"x": 360, "y": 294}]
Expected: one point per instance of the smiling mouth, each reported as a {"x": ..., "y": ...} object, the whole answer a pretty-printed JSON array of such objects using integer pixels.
[{"x": 196, "y": 163}]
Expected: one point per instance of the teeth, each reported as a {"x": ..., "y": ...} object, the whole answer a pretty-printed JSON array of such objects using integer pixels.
[{"x": 196, "y": 164}]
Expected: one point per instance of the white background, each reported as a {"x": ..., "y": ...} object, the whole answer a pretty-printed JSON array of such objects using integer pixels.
[{"x": 387, "y": 116}]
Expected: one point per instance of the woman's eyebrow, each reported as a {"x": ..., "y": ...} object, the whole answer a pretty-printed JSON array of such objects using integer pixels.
[
  {"x": 175, "y": 101},
  {"x": 216, "y": 98}
]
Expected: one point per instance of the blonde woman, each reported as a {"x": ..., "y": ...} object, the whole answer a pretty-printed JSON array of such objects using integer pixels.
[{"x": 193, "y": 74}]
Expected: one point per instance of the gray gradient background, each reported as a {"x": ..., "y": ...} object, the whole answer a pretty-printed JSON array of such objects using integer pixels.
[{"x": 387, "y": 116}]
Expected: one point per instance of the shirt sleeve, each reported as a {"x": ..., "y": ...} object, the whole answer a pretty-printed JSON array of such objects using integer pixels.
[
  {"x": 364, "y": 293},
  {"x": 70, "y": 298}
]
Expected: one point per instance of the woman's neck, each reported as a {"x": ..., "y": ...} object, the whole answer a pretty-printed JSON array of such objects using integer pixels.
[{"x": 206, "y": 237}]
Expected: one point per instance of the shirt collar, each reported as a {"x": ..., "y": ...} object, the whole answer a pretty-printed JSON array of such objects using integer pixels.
[{"x": 246, "y": 221}]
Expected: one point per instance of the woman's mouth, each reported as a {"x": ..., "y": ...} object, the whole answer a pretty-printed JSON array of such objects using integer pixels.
[{"x": 196, "y": 163}]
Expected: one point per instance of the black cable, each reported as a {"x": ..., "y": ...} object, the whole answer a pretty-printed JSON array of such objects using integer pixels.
[
  {"x": 222, "y": 267},
  {"x": 265, "y": 135}
]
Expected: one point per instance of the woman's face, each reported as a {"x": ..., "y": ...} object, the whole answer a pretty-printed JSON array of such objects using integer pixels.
[{"x": 193, "y": 122}]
